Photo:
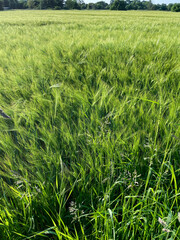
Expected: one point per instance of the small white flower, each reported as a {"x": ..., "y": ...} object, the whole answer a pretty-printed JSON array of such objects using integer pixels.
[
  {"x": 163, "y": 223},
  {"x": 166, "y": 230},
  {"x": 179, "y": 216}
]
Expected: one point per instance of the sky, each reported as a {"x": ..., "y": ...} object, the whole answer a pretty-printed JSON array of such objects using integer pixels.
[
  {"x": 153, "y": 1},
  {"x": 165, "y": 1}
]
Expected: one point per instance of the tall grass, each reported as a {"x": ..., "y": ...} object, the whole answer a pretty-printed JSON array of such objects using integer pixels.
[{"x": 92, "y": 147}]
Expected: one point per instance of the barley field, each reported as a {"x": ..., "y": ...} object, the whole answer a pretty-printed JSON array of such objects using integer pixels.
[{"x": 92, "y": 149}]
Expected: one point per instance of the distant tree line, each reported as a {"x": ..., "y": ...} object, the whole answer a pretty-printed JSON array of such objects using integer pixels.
[
  {"x": 143, "y": 5},
  {"x": 80, "y": 4}
]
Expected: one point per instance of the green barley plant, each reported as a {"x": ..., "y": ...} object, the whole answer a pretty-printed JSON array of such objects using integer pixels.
[{"x": 92, "y": 146}]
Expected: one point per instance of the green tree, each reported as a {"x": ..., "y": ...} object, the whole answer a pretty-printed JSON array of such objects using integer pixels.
[
  {"x": 118, "y": 5},
  {"x": 169, "y": 6},
  {"x": 50, "y": 3},
  {"x": 43, "y": 4},
  {"x": 101, "y": 5},
  {"x": 149, "y": 5},
  {"x": 13, "y": 4},
  {"x": 164, "y": 7},
  {"x": 176, "y": 7},
  {"x": 1, "y": 5},
  {"x": 135, "y": 5},
  {"x": 22, "y": 4},
  {"x": 30, "y": 4},
  {"x": 72, "y": 4},
  {"x": 58, "y": 4},
  {"x": 90, "y": 6},
  {"x": 81, "y": 4},
  {"x": 6, "y": 3}
]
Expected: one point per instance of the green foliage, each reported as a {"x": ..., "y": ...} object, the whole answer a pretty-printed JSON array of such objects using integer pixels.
[
  {"x": 91, "y": 6},
  {"x": 175, "y": 7},
  {"x": 6, "y": 3},
  {"x": 22, "y": 4},
  {"x": 101, "y": 5},
  {"x": 71, "y": 4},
  {"x": 1, "y": 5},
  {"x": 31, "y": 4},
  {"x": 136, "y": 5},
  {"x": 13, "y": 4},
  {"x": 118, "y": 5},
  {"x": 92, "y": 147},
  {"x": 169, "y": 6}
]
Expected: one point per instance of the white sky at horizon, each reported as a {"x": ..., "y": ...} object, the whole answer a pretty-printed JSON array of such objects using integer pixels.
[
  {"x": 165, "y": 1},
  {"x": 153, "y": 1}
]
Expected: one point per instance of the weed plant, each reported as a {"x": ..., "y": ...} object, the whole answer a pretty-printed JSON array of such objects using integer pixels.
[{"x": 92, "y": 148}]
